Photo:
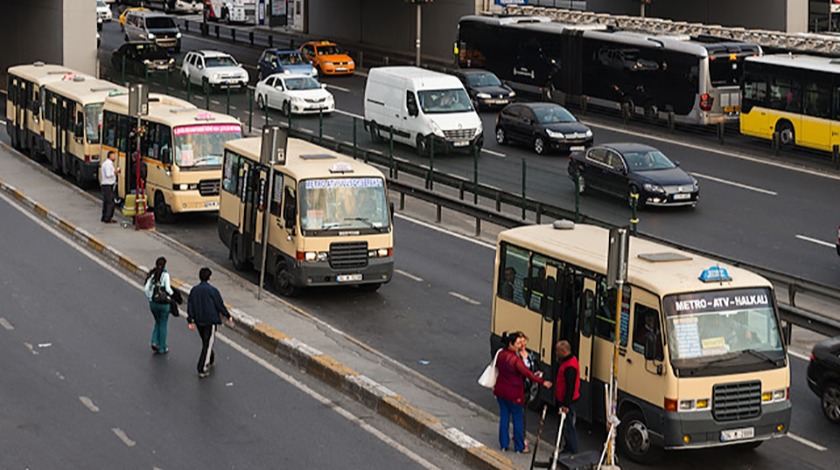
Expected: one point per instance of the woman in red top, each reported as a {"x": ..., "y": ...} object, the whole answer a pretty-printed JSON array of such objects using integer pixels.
[{"x": 510, "y": 391}]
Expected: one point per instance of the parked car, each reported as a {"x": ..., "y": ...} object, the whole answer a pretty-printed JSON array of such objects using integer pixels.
[
  {"x": 213, "y": 69},
  {"x": 142, "y": 57},
  {"x": 485, "y": 88},
  {"x": 284, "y": 61},
  {"x": 824, "y": 376},
  {"x": 153, "y": 26},
  {"x": 296, "y": 94},
  {"x": 543, "y": 127},
  {"x": 103, "y": 11},
  {"x": 625, "y": 168},
  {"x": 328, "y": 58}
]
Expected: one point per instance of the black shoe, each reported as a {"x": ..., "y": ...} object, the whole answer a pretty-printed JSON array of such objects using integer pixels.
[{"x": 155, "y": 347}]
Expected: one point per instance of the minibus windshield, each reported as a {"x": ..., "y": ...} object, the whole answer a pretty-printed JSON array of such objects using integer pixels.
[
  {"x": 201, "y": 146},
  {"x": 343, "y": 203}
]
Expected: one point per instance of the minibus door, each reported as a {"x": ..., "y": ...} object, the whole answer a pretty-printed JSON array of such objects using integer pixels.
[
  {"x": 247, "y": 210},
  {"x": 586, "y": 312}
]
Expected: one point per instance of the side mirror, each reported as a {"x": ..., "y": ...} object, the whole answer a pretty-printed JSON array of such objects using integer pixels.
[
  {"x": 199, "y": 66},
  {"x": 676, "y": 163},
  {"x": 412, "y": 110},
  {"x": 391, "y": 209},
  {"x": 324, "y": 86},
  {"x": 166, "y": 156}
]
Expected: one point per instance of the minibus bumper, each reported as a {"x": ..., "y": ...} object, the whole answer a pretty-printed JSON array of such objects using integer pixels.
[
  {"x": 319, "y": 273},
  {"x": 693, "y": 430},
  {"x": 190, "y": 201}
]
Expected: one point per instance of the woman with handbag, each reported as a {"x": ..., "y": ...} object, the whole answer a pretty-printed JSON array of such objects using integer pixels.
[
  {"x": 159, "y": 292},
  {"x": 510, "y": 391}
]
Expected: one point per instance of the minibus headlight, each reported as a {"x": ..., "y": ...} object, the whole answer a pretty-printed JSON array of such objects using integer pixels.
[
  {"x": 316, "y": 256},
  {"x": 774, "y": 395},
  {"x": 703, "y": 404},
  {"x": 151, "y": 36},
  {"x": 686, "y": 405},
  {"x": 779, "y": 395}
]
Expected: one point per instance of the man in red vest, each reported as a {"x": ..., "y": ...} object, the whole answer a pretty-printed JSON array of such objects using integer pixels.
[{"x": 567, "y": 391}]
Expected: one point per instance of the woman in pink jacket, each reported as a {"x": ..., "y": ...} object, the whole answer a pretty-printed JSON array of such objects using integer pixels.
[{"x": 510, "y": 391}]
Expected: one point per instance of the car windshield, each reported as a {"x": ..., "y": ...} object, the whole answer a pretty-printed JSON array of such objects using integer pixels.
[
  {"x": 645, "y": 160},
  {"x": 93, "y": 122},
  {"x": 328, "y": 50},
  {"x": 706, "y": 326},
  {"x": 301, "y": 83},
  {"x": 201, "y": 146},
  {"x": 553, "y": 115},
  {"x": 343, "y": 203},
  {"x": 453, "y": 100},
  {"x": 221, "y": 61},
  {"x": 293, "y": 58},
  {"x": 160, "y": 22},
  {"x": 101, "y": 4},
  {"x": 483, "y": 79}
]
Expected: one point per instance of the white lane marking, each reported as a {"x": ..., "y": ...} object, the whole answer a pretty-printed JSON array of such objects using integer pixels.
[
  {"x": 216, "y": 102},
  {"x": 232, "y": 107},
  {"x": 808, "y": 443},
  {"x": 814, "y": 240},
  {"x": 89, "y": 404},
  {"x": 800, "y": 355},
  {"x": 346, "y": 90},
  {"x": 737, "y": 185},
  {"x": 444, "y": 231},
  {"x": 5, "y": 324},
  {"x": 326, "y": 401},
  {"x": 345, "y": 113},
  {"x": 123, "y": 437},
  {"x": 409, "y": 275},
  {"x": 31, "y": 348},
  {"x": 464, "y": 298},
  {"x": 491, "y": 152}
]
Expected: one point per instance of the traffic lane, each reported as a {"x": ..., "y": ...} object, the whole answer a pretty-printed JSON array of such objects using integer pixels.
[{"x": 86, "y": 379}]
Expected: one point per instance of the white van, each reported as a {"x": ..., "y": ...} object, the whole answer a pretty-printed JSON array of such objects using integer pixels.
[{"x": 422, "y": 106}]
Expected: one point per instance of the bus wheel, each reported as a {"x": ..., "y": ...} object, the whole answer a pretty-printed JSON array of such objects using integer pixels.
[
  {"x": 238, "y": 263},
  {"x": 370, "y": 287},
  {"x": 539, "y": 146},
  {"x": 284, "y": 282},
  {"x": 787, "y": 136},
  {"x": 80, "y": 177},
  {"x": 634, "y": 439},
  {"x": 163, "y": 213}
]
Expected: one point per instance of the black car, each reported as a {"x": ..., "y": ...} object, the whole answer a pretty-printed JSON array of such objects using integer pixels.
[
  {"x": 543, "y": 127},
  {"x": 140, "y": 57},
  {"x": 626, "y": 168},
  {"x": 485, "y": 88},
  {"x": 824, "y": 376}
]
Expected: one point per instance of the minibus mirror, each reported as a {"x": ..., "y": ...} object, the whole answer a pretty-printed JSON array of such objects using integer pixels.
[
  {"x": 412, "y": 110},
  {"x": 391, "y": 208},
  {"x": 289, "y": 215},
  {"x": 165, "y": 156}
]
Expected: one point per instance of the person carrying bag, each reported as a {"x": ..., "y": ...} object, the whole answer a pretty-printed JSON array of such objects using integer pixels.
[{"x": 160, "y": 293}]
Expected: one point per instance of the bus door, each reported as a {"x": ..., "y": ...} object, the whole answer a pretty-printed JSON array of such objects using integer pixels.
[
  {"x": 248, "y": 208},
  {"x": 586, "y": 318},
  {"x": 645, "y": 379},
  {"x": 549, "y": 308}
]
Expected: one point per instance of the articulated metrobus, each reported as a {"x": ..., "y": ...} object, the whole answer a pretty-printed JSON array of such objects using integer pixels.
[
  {"x": 702, "y": 362},
  {"x": 72, "y": 121},
  {"x": 181, "y": 148},
  {"x": 794, "y": 96},
  {"x": 695, "y": 78},
  {"x": 329, "y": 218},
  {"x": 24, "y": 108}
]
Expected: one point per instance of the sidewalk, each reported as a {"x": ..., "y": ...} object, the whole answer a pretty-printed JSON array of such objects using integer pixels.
[{"x": 451, "y": 423}]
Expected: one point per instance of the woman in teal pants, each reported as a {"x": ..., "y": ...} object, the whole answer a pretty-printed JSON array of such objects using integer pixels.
[{"x": 159, "y": 292}]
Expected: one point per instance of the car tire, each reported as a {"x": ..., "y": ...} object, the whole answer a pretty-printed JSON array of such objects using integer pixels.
[
  {"x": 540, "y": 145},
  {"x": 286, "y": 109},
  {"x": 634, "y": 439},
  {"x": 830, "y": 401},
  {"x": 260, "y": 102},
  {"x": 501, "y": 136}
]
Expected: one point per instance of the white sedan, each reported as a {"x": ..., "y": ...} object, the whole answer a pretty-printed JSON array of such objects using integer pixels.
[{"x": 296, "y": 94}]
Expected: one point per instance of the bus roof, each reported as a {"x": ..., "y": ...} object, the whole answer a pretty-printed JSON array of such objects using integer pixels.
[
  {"x": 174, "y": 112},
  {"x": 305, "y": 160},
  {"x": 586, "y": 246},
  {"x": 41, "y": 73},
  {"x": 84, "y": 90},
  {"x": 800, "y": 61}
]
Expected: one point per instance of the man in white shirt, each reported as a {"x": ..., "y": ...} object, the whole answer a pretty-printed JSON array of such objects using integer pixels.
[{"x": 107, "y": 179}]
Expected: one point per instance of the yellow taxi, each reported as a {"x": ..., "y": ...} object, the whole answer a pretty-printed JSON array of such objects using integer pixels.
[
  {"x": 125, "y": 13},
  {"x": 328, "y": 58}
]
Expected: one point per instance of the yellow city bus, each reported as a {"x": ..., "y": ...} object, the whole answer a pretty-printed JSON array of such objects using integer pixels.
[
  {"x": 72, "y": 120},
  {"x": 180, "y": 181},
  {"x": 329, "y": 218},
  {"x": 794, "y": 96},
  {"x": 702, "y": 362},
  {"x": 23, "y": 103}
]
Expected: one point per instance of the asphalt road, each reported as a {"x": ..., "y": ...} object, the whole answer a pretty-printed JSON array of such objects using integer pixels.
[{"x": 82, "y": 389}]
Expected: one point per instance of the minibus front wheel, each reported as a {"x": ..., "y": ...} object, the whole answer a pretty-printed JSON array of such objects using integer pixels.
[
  {"x": 284, "y": 281},
  {"x": 634, "y": 439},
  {"x": 163, "y": 213}
]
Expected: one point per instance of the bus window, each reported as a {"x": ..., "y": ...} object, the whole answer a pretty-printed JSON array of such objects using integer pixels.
[
  {"x": 513, "y": 268},
  {"x": 587, "y": 312},
  {"x": 536, "y": 284},
  {"x": 230, "y": 176},
  {"x": 277, "y": 195},
  {"x": 93, "y": 122},
  {"x": 785, "y": 95},
  {"x": 605, "y": 311},
  {"x": 645, "y": 326},
  {"x": 818, "y": 100},
  {"x": 109, "y": 133}
]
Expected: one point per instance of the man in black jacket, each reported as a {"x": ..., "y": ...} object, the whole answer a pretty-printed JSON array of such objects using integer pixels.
[{"x": 205, "y": 308}]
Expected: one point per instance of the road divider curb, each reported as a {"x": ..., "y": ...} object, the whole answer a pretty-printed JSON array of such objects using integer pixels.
[{"x": 375, "y": 396}]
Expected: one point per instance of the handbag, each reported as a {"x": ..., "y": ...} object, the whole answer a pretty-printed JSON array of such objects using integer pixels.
[
  {"x": 159, "y": 294},
  {"x": 490, "y": 374}
]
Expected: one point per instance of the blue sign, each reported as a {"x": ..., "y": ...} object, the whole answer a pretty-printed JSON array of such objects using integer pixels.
[{"x": 715, "y": 274}]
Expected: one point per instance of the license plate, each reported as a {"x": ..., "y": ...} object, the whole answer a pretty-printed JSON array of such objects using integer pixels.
[
  {"x": 460, "y": 143},
  {"x": 348, "y": 277},
  {"x": 737, "y": 434},
  {"x": 211, "y": 204},
  {"x": 683, "y": 196},
  {"x": 576, "y": 148}
]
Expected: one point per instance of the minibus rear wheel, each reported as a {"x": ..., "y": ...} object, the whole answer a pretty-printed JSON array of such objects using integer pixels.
[{"x": 238, "y": 263}]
